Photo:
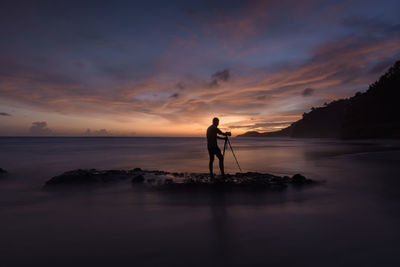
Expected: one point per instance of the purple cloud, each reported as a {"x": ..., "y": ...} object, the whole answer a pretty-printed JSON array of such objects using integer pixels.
[
  {"x": 39, "y": 128},
  {"x": 307, "y": 92}
]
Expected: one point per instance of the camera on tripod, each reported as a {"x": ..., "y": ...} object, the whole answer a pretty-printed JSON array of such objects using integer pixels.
[{"x": 229, "y": 143}]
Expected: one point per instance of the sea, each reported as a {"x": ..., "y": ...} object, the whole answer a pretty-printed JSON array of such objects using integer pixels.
[{"x": 350, "y": 217}]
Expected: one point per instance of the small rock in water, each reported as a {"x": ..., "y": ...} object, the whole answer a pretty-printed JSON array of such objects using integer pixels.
[
  {"x": 3, "y": 172},
  {"x": 299, "y": 179}
]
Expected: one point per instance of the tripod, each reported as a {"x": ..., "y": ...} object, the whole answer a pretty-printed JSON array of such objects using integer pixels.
[{"x": 229, "y": 143}]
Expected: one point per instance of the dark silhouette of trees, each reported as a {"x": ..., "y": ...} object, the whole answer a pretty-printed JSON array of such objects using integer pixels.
[{"x": 372, "y": 114}]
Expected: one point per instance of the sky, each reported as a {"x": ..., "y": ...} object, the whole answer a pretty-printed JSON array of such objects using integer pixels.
[{"x": 166, "y": 68}]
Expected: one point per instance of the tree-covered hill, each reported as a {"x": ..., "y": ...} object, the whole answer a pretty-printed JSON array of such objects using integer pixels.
[{"x": 372, "y": 114}]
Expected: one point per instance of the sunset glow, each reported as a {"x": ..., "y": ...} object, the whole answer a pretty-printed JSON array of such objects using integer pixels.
[{"x": 159, "y": 69}]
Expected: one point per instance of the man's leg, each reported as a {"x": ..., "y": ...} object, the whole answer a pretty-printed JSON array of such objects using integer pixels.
[
  {"x": 221, "y": 161},
  {"x": 211, "y": 163}
]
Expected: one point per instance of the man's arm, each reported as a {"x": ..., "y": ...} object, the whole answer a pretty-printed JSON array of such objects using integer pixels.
[{"x": 221, "y": 133}]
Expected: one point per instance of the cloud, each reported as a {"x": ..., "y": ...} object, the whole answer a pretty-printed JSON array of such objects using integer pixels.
[
  {"x": 219, "y": 76},
  {"x": 4, "y": 114},
  {"x": 39, "y": 128},
  {"x": 381, "y": 66},
  {"x": 263, "y": 126},
  {"x": 180, "y": 86},
  {"x": 371, "y": 25},
  {"x": 101, "y": 132},
  {"x": 307, "y": 92},
  {"x": 236, "y": 30},
  {"x": 222, "y": 75}
]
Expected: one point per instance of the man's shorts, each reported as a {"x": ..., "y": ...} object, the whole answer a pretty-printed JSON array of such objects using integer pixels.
[{"x": 214, "y": 151}]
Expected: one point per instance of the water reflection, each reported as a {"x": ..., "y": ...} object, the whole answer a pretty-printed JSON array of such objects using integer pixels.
[
  {"x": 220, "y": 226},
  {"x": 351, "y": 219}
]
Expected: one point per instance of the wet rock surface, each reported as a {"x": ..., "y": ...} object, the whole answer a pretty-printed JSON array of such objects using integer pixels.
[
  {"x": 167, "y": 180},
  {"x": 89, "y": 176}
]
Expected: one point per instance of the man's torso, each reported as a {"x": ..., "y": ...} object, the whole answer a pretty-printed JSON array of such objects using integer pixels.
[{"x": 212, "y": 137}]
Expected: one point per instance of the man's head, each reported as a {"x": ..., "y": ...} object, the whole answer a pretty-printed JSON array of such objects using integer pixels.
[{"x": 215, "y": 121}]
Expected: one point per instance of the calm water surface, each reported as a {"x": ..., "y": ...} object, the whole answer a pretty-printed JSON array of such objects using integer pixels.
[{"x": 351, "y": 219}]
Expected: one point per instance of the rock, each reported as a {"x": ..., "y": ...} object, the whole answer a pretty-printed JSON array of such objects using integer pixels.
[
  {"x": 299, "y": 179},
  {"x": 82, "y": 176},
  {"x": 138, "y": 179},
  {"x": 168, "y": 181},
  {"x": 3, "y": 172},
  {"x": 151, "y": 181}
]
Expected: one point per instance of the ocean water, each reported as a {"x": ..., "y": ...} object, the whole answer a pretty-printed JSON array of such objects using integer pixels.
[{"x": 350, "y": 218}]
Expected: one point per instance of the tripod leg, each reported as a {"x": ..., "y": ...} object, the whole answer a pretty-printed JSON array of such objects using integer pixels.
[
  {"x": 234, "y": 155},
  {"x": 223, "y": 154}
]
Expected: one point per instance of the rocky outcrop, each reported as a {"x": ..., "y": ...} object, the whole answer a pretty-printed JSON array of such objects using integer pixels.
[{"x": 168, "y": 180}]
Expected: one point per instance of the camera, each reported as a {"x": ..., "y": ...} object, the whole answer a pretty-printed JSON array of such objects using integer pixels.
[{"x": 228, "y": 133}]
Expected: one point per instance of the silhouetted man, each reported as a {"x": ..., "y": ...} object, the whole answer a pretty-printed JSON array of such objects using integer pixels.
[{"x": 213, "y": 149}]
